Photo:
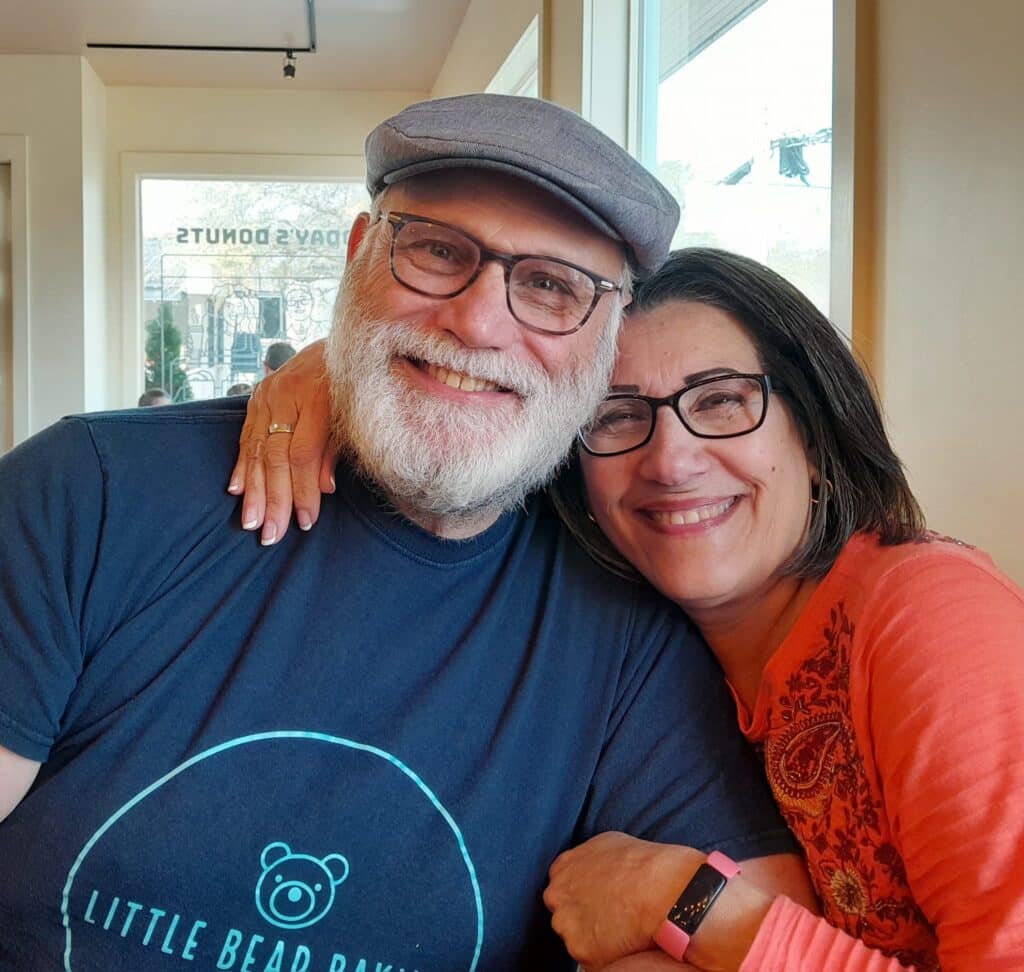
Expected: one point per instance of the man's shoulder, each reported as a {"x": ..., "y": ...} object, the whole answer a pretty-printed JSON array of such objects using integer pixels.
[
  {"x": 599, "y": 593},
  {"x": 170, "y": 419},
  {"x": 185, "y": 440},
  {"x": 105, "y": 462}
]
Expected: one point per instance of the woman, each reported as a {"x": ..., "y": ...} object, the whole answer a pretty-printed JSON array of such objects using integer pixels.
[{"x": 741, "y": 466}]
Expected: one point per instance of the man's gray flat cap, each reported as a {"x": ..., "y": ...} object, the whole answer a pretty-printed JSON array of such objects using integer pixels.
[{"x": 537, "y": 141}]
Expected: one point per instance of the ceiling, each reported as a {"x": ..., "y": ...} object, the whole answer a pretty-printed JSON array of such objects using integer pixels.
[{"x": 383, "y": 45}]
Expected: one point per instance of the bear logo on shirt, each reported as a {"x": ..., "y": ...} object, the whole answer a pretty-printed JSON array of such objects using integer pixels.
[{"x": 297, "y": 890}]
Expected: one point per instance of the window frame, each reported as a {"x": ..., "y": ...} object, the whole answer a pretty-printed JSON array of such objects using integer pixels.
[
  {"x": 136, "y": 166},
  {"x": 612, "y": 99},
  {"x": 18, "y": 398}
]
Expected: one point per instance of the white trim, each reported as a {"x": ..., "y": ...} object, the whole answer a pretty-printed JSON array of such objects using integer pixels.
[
  {"x": 613, "y": 37},
  {"x": 136, "y": 166},
  {"x": 14, "y": 150},
  {"x": 844, "y": 47},
  {"x": 608, "y": 52}
]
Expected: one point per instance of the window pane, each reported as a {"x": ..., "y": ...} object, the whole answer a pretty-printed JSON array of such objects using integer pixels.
[
  {"x": 232, "y": 267},
  {"x": 737, "y": 121}
]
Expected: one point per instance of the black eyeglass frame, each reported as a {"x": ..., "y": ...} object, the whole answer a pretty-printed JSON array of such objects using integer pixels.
[
  {"x": 602, "y": 285},
  {"x": 673, "y": 400}
]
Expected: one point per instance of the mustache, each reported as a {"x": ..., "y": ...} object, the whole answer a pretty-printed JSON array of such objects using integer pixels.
[{"x": 398, "y": 338}]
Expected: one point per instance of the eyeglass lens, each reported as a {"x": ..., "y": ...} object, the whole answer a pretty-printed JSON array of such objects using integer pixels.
[
  {"x": 441, "y": 261},
  {"x": 717, "y": 408}
]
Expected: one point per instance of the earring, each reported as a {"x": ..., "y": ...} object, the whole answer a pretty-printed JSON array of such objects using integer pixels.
[
  {"x": 816, "y": 491},
  {"x": 590, "y": 516}
]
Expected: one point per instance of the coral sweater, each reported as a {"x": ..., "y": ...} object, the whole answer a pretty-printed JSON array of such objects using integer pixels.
[{"x": 892, "y": 725}]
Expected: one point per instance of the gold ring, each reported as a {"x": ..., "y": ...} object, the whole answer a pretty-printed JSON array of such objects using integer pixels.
[{"x": 280, "y": 427}]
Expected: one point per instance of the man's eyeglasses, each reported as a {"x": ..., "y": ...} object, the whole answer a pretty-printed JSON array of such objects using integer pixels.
[
  {"x": 720, "y": 407},
  {"x": 543, "y": 293}
]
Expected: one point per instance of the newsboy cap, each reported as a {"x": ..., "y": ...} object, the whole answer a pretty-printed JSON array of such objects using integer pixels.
[{"x": 540, "y": 142}]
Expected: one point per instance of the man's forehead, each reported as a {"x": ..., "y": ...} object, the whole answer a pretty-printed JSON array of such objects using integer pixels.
[{"x": 482, "y": 202}]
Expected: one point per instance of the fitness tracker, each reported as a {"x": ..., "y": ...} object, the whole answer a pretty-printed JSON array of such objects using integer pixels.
[{"x": 694, "y": 903}]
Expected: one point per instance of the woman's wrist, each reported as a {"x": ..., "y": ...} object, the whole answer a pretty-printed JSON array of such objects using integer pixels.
[
  {"x": 724, "y": 937},
  {"x": 675, "y": 867}
]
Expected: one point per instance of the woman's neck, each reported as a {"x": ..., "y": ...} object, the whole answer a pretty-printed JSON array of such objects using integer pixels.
[{"x": 745, "y": 635}]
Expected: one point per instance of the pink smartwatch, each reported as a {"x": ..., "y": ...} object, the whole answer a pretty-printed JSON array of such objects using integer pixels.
[{"x": 694, "y": 903}]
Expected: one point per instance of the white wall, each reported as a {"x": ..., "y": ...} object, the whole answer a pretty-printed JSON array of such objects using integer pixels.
[
  {"x": 489, "y": 30},
  {"x": 98, "y": 348},
  {"x": 949, "y": 292},
  {"x": 41, "y": 98}
]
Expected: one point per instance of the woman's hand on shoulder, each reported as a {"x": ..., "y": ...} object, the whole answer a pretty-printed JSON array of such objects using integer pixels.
[{"x": 276, "y": 469}]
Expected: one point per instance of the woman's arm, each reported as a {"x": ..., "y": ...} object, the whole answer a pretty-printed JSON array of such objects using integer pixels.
[
  {"x": 276, "y": 470},
  {"x": 941, "y": 707},
  {"x": 943, "y": 696},
  {"x": 938, "y": 699},
  {"x": 609, "y": 895}
]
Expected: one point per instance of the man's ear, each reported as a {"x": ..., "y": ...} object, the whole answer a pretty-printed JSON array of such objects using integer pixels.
[{"x": 358, "y": 231}]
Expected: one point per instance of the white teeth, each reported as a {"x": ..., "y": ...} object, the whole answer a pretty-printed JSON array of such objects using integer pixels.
[
  {"x": 456, "y": 379},
  {"x": 689, "y": 517}
]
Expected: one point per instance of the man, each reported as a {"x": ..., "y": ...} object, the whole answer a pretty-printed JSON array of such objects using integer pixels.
[
  {"x": 153, "y": 397},
  {"x": 277, "y": 354},
  {"x": 362, "y": 748}
]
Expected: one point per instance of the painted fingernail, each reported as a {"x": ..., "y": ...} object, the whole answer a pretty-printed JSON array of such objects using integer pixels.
[
  {"x": 251, "y": 522},
  {"x": 305, "y": 521},
  {"x": 269, "y": 537},
  {"x": 234, "y": 486}
]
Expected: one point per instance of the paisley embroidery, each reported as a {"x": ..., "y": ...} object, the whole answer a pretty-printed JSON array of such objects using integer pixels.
[
  {"x": 817, "y": 774},
  {"x": 804, "y": 758}
]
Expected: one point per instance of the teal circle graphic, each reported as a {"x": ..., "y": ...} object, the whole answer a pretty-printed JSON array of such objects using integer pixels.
[{"x": 261, "y": 737}]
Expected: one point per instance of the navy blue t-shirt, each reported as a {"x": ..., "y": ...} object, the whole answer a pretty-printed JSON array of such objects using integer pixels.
[{"x": 356, "y": 751}]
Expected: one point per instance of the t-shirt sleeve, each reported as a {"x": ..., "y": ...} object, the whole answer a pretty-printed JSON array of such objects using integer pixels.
[
  {"x": 943, "y": 689},
  {"x": 51, "y": 508},
  {"x": 674, "y": 766}
]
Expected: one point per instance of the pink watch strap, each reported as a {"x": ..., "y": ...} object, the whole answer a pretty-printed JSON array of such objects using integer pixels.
[
  {"x": 672, "y": 940},
  {"x": 670, "y": 937},
  {"x": 725, "y": 866}
]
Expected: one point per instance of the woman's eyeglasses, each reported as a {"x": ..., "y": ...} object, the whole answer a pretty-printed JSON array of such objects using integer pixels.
[{"x": 720, "y": 407}]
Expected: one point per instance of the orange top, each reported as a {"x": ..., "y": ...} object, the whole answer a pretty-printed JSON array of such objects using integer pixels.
[{"x": 892, "y": 726}]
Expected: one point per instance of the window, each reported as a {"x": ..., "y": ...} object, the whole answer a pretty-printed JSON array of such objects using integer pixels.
[
  {"x": 230, "y": 267},
  {"x": 736, "y": 119}
]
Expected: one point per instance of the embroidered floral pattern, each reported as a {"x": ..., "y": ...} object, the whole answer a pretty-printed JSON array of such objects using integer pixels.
[{"x": 819, "y": 780}]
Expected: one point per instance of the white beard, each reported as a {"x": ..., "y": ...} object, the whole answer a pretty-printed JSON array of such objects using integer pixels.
[{"x": 440, "y": 458}]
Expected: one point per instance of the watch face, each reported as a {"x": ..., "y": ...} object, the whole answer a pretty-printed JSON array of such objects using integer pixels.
[{"x": 693, "y": 904}]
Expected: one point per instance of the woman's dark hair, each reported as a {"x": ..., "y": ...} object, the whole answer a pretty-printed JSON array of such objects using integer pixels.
[{"x": 862, "y": 485}]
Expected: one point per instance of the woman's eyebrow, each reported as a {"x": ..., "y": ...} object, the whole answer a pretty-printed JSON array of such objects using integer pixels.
[
  {"x": 688, "y": 380},
  {"x": 708, "y": 373}
]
